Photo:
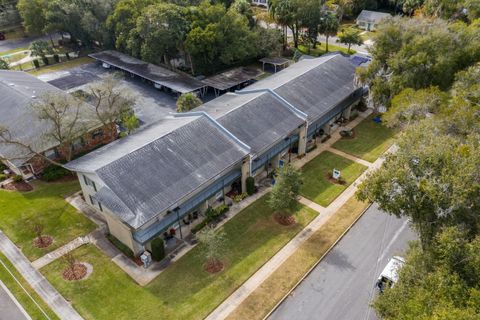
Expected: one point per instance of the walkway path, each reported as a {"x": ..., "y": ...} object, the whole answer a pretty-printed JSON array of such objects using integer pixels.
[
  {"x": 234, "y": 300},
  {"x": 58, "y": 253},
  {"x": 37, "y": 281},
  {"x": 350, "y": 157}
]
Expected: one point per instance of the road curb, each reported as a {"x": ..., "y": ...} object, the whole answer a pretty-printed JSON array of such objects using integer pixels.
[{"x": 316, "y": 264}]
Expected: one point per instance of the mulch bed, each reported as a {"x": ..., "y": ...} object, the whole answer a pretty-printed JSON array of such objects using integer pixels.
[
  {"x": 284, "y": 220},
  {"x": 214, "y": 266},
  {"x": 78, "y": 272},
  {"x": 43, "y": 243},
  {"x": 18, "y": 186},
  {"x": 335, "y": 181},
  {"x": 353, "y": 136}
]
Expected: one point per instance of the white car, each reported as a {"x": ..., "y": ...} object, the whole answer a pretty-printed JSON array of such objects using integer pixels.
[{"x": 389, "y": 275}]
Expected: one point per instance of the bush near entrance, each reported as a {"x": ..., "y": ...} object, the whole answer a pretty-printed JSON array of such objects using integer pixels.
[
  {"x": 158, "y": 249},
  {"x": 250, "y": 185}
]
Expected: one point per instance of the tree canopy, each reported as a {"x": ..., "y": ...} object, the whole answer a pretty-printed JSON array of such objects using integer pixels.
[{"x": 286, "y": 189}]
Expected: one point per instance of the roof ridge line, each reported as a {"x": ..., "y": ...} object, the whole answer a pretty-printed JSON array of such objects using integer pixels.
[
  {"x": 300, "y": 114},
  {"x": 302, "y": 73},
  {"x": 218, "y": 125}
]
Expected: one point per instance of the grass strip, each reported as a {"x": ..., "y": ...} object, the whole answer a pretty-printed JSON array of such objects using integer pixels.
[
  {"x": 272, "y": 290},
  {"x": 21, "y": 290}
]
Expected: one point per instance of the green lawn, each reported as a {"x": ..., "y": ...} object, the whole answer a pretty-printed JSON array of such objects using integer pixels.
[
  {"x": 320, "y": 49},
  {"x": 30, "y": 307},
  {"x": 184, "y": 290},
  {"x": 317, "y": 187},
  {"x": 13, "y": 51},
  {"x": 45, "y": 205},
  {"x": 371, "y": 140},
  {"x": 61, "y": 66}
]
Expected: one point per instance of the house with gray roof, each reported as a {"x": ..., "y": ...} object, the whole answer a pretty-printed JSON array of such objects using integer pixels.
[
  {"x": 148, "y": 183},
  {"x": 368, "y": 20},
  {"x": 19, "y": 91}
]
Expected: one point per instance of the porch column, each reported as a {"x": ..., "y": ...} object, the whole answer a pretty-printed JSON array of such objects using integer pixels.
[
  {"x": 275, "y": 161},
  {"x": 347, "y": 113},
  {"x": 245, "y": 172},
  {"x": 302, "y": 140}
]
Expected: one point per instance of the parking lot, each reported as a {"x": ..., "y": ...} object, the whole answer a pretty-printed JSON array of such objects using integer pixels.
[{"x": 151, "y": 104}]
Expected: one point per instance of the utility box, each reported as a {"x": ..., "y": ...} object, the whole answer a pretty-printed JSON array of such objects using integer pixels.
[{"x": 146, "y": 258}]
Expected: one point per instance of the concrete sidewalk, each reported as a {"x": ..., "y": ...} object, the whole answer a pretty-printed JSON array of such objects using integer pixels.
[
  {"x": 58, "y": 253},
  {"x": 37, "y": 281}
]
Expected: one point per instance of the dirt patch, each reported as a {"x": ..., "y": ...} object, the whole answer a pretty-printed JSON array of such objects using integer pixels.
[
  {"x": 79, "y": 271},
  {"x": 18, "y": 186},
  {"x": 340, "y": 181},
  {"x": 284, "y": 220},
  {"x": 214, "y": 266},
  {"x": 42, "y": 241}
]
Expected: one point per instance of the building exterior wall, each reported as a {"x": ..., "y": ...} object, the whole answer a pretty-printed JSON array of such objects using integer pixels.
[
  {"x": 90, "y": 140},
  {"x": 122, "y": 232}
]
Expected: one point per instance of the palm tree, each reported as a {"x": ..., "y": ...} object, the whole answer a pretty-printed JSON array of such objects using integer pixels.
[{"x": 328, "y": 26}]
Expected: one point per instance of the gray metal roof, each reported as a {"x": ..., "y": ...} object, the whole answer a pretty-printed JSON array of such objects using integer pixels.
[
  {"x": 18, "y": 90},
  {"x": 258, "y": 119},
  {"x": 372, "y": 16},
  {"x": 174, "y": 80},
  {"x": 162, "y": 170},
  {"x": 315, "y": 86},
  {"x": 231, "y": 78}
]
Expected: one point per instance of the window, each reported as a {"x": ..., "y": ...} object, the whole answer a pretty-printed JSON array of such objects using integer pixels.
[
  {"x": 77, "y": 144},
  {"x": 89, "y": 182},
  {"x": 95, "y": 202},
  {"x": 51, "y": 154},
  {"x": 97, "y": 134}
]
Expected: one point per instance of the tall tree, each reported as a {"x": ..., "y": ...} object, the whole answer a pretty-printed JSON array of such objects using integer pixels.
[
  {"x": 328, "y": 26},
  {"x": 287, "y": 14},
  {"x": 161, "y": 30},
  {"x": 112, "y": 101},
  {"x": 187, "y": 102},
  {"x": 285, "y": 191},
  {"x": 350, "y": 36},
  {"x": 3, "y": 64},
  {"x": 213, "y": 244},
  {"x": 33, "y": 15}
]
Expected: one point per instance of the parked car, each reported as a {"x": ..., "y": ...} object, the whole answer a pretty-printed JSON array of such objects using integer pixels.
[{"x": 389, "y": 275}]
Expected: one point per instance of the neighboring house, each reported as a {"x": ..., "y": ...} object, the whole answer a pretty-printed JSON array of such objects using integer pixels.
[
  {"x": 147, "y": 183},
  {"x": 263, "y": 3},
  {"x": 368, "y": 20},
  {"x": 18, "y": 90}
]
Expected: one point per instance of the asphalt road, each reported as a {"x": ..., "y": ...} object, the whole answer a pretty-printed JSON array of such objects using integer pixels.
[
  {"x": 9, "y": 308},
  {"x": 12, "y": 44},
  {"x": 342, "y": 286}
]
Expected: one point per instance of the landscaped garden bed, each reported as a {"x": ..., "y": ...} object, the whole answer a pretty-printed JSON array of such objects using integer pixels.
[
  {"x": 22, "y": 213},
  {"x": 371, "y": 140},
  {"x": 184, "y": 290},
  {"x": 317, "y": 185}
]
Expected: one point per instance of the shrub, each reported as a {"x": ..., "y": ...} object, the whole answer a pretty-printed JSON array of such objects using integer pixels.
[
  {"x": 56, "y": 58},
  {"x": 250, "y": 185},
  {"x": 158, "y": 249},
  {"x": 200, "y": 226},
  {"x": 221, "y": 209},
  {"x": 36, "y": 64},
  {"x": 240, "y": 197},
  {"x": 45, "y": 61},
  {"x": 3, "y": 176},
  {"x": 17, "y": 178},
  {"x": 120, "y": 246},
  {"x": 53, "y": 172}
]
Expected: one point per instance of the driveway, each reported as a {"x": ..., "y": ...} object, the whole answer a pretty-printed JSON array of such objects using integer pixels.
[
  {"x": 9, "y": 306},
  {"x": 342, "y": 286}
]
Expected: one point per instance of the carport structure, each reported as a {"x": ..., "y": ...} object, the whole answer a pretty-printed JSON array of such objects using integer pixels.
[
  {"x": 232, "y": 79},
  {"x": 160, "y": 77},
  {"x": 276, "y": 62}
]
